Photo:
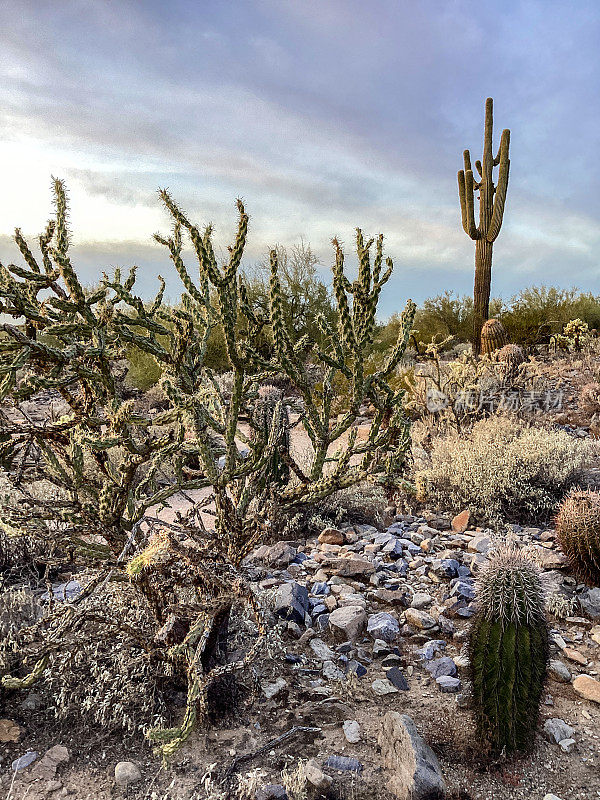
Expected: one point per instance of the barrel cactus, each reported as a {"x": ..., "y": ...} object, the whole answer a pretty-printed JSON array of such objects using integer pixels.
[
  {"x": 508, "y": 652},
  {"x": 493, "y": 336},
  {"x": 510, "y": 357},
  {"x": 578, "y": 529}
]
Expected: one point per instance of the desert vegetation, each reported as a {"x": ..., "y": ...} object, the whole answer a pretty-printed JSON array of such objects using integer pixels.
[{"x": 258, "y": 516}]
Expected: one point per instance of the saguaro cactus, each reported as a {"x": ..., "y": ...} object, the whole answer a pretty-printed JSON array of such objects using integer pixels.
[
  {"x": 508, "y": 652},
  {"x": 491, "y": 211}
]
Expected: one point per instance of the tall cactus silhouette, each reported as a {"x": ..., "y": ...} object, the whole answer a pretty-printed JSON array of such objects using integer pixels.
[{"x": 491, "y": 211}]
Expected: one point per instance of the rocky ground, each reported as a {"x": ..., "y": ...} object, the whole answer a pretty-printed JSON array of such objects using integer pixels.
[{"x": 366, "y": 685}]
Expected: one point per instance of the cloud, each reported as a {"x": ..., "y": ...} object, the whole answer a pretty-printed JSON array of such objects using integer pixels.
[{"x": 321, "y": 115}]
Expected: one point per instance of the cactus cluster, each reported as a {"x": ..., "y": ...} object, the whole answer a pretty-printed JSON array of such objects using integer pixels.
[
  {"x": 578, "y": 530},
  {"x": 508, "y": 650},
  {"x": 493, "y": 336},
  {"x": 113, "y": 464},
  {"x": 576, "y": 332},
  {"x": 492, "y": 199}
]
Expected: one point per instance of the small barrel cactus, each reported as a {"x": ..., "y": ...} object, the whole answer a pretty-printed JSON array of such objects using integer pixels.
[
  {"x": 578, "y": 530},
  {"x": 511, "y": 357},
  {"x": 508, "y": 652},
  {"x": 493, "y": 336}
]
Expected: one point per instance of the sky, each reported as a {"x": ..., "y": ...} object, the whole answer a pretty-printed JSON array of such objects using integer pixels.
[{"x": 322, "y": 115}]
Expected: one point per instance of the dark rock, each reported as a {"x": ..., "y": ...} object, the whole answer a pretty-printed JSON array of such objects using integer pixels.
[
  {"x": 442, "y": 666},
  {"x": 397, "y": 679},
  {"x": 271, "y": 791},
  {"x": 291, "y": 602},
  {"x": 344, "y": 764},
  {"x": 413, "y": 766}
]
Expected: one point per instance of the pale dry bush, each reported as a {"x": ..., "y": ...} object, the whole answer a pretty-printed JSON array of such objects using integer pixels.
[
  {"x": 504, "y": 470},
  {"x": 103, "y": 675},
  {"x": 457, "y": 385},
  {"x": 18, "y": 608}
]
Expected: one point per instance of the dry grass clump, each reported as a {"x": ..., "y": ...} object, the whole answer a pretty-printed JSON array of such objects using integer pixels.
[{"x": 504, "y": 470}]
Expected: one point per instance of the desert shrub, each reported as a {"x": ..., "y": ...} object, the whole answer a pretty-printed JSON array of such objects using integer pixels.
[
  {"x": 123, "y": 689},
  {"x": 144, "y": 370},
  {"x": 505, "y": 470},
  {"x": 18, "y": 608},
  {"x": 589, "y": 398},
  {"x": 455, "y": 393},
  {"x": 448, "y": 315},
  {"x": 539, "y": 307}
]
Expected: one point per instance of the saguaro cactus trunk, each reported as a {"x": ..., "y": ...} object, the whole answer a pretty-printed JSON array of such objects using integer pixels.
[{"x": 491, "y": 211}]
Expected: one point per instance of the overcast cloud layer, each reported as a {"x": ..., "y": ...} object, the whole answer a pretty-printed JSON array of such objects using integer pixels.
[{"x": 321, "y": 114}]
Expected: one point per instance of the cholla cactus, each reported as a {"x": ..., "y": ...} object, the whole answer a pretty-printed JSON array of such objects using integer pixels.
[
  {"x": 508, "y": 651},
  {"x": 578, "y": 531},
  {"x": 271, "y": 421},
  {"x": 111, "y": 463},
  {"x": 576, "y": 331},
  {"x": 493, "y": 336}
]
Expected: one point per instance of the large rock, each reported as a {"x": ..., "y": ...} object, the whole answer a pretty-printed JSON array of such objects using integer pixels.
[
  {"x": 590, "y": 603},
  {"x": 316, "y": 777},
  {"x": 460, "y": 523},
  {"x": 126, "y": 773},
  {"x": 331, "y": 536},
  {"x": 277, "y": 555},
  {"x": 419, "y": 619},
  {"x": 587, "y": 687},
  {"x": 347, "y": 623},
  {"x": 415, "y": 772},
  {"x": 349, "y": 567},
  {"x": 291, "y": 602},
  {"x": 555, "y": 730},
  {"x": 383, "y": 626}
]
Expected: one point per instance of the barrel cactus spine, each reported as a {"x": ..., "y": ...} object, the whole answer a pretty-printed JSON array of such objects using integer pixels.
[
  {"x": 508, "y": 650},
  {"x": 578, "y": 531}
]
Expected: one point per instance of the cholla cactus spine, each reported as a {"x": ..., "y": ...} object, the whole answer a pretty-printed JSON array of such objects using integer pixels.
[
  {"x": 578, "y": 531},
  {"x": 508, "y": 651}
]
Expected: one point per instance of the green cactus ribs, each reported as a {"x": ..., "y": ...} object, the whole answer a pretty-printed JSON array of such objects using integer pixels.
[
  {"x": 508, "y": 650},
  {"x": 492, "y": 199}
]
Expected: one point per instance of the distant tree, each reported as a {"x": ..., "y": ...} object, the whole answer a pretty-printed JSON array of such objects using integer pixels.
[{"x": 305, "y": 296}]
